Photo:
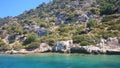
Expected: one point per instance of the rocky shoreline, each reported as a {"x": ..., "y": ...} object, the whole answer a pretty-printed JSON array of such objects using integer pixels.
[
  {"x": 110, "y": 46},
  {"x": 76, "y": 49},
  {"x": 80, "y": 50}
]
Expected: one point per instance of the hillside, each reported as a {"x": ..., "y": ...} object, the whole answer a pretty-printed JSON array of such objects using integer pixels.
[{"x": 83, "y": 21}]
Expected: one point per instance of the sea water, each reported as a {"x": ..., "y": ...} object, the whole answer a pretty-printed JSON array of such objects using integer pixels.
[{"x": 59, "y": 61}]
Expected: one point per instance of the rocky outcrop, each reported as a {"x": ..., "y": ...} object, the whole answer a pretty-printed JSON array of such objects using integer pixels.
[
  {"x": 113, "y": 52},
  {"x": 43, "y": 48},
  {"x": 110, "y": 43},
  {"x": 63, "y": 46},
  {"x": 87, "y": 49},
  {"x": 104, "y": 46},
  {"x": 78, "y": 49},
  {"x": 22, "y": 51}
]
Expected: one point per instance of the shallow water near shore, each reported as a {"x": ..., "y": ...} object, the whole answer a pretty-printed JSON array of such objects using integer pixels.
[{"x": 59, "y": 61}]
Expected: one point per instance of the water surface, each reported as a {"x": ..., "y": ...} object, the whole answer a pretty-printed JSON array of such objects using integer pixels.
[{"x": 59, "y": 61}]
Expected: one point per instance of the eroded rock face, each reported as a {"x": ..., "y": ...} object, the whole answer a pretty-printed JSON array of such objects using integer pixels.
[
  {"x": 78, "y": 49},
  {"x": 94, "y": 50},
  {"x": 63, "y": 46},
  {"x": 110, "y": 43},
  {"x": 104, "y": 46},
  {"x": 87, "y": 49},
  {"x": 22, "y": 51},
  {"x": 43, "y": 48},
  {"x": 113, "y": 42},
  {"x": 113, "y": 52}
]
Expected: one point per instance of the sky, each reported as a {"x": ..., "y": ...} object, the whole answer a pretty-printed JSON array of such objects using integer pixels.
[{"x": 16, "y": 7}]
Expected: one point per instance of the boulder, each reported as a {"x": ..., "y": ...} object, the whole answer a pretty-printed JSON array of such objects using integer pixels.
[
  {"x": 14, "y": 52},
  {"x": 44, "y": 48},
  {"x": 101, "y": 43},
  {"x": 83, "y": 18},
  {"x": 90, "y": 15},
  {"x": 42, "y": 32},
  {"x": 113, "y": 42},
  {"x": 63, "y": 46}
]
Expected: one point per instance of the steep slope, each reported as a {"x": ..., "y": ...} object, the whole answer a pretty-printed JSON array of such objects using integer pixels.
[{"x": 83, "y": 21}]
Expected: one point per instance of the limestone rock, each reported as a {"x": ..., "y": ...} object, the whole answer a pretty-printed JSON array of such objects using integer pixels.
[
  {"x": 43, "y": 48},
  {"x": 113, "y": 52},
  {"x": 63, "y": 46},
  {"x": 88, "y": 49}
]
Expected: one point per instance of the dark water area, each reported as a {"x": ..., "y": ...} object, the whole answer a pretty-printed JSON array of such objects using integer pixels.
[{"x": 59, "y": 61}]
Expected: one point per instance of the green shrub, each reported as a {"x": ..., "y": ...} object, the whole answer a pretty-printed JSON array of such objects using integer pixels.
[
  {"x": 108, "y": 34},
  {"x": 78, "y": 38},
  {"x": 92, "y": 23},
  {"x": 103, "y": 26},
  {"x": 64, "y": 29},
  {"x": 18, "y": 47},
  {"x": 118, "y": 21},
  {"x": 33, "y": 46},
  {"x": 4, "y": 47},
  {"x": 84, "y": 43},
  {"x": 95, "y": 11},
  {"x": 114, "y": 27},
  {"x": 31, "y": 38},
  {"x": 109, "y": 18},
  {"x": 107, "y": 6},
  {"x": 25, "y": 32},
  {"x": 51, "y": 42}
]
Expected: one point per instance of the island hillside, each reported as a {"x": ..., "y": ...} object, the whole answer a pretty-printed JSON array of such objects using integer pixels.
[{"x": 70, "y": 26}]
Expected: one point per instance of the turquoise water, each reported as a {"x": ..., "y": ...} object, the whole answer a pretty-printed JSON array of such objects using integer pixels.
[{"x": 59, "y": 61}]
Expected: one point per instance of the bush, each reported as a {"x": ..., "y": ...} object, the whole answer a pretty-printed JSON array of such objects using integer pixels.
[
  {"x": 108, "y": 6},
  {"x": 18, "y": 47},
  {"x": 78, "y": 38},
  {"x": 51, "y": 42},
  {"x": 63, "y": 29},
  {"x": 33, "y": 46},
  {"x": 108, "y": 34},
  {"x": 84, "y": 43},
  {"x": 31, "y": 38},
  {"x": 103, "y": 26},
  {"x": 92, "y": 23},
  {"x": 109, "y": 18},
  {"x": 4, "y": 47},
  {"x": 95, "y": 11},
  {"x": 114, "y": 27},
  {"x": 25, "y": 32}
]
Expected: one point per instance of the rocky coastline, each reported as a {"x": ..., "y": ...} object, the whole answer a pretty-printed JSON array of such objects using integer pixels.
[{"x": 110, "y": 46}]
